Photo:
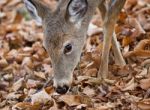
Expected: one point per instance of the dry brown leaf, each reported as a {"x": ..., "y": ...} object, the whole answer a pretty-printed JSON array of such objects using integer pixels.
[
  {"x": 146, "y": 63},
  {"x": 26, "y": 106},
  {"x": 135, "y": 23},
  {"x": 41, "y": 97},
  {"x": 144, "y": 104},
  {"x": 89, "y": 91},
  {"x": 18, "y": 84},
  {"x": 32, "y": 83},
  {"x": 14, "y": 97},
  {"x": 82, "y": 78},
  {"x": 140, "y": 50},
  {"x": 145, "y": 84},
  {"x": 50, "y": 90},
  {"x": 6, "y": 108},
  {"x": 16, "y": 18},
  {"x": 107, "y": 106},
  {"x": 8, "y": 77},
  {"x": 91, "y": 72},
  {"x": 122, "y": 16},
  {"x": 3, "y": 2},
  {"x": 130, "y": 3},
  {"x": 130, "y": 85},
  {"x": 3, "y": 63},
  {"x": 138, "y": 53},
  {"x": 27, "y": 61},
  {"x": 40, "y": 75},
  {"x": 3, "y": 85},
  {"x": 71, "y": 100},
  {"x": 142, "y": 73},
  {"x": 75, "y": 100},
  {"x": 13, "y": 3},
  {"x": 23, "y": 56},
  {"x": 126, "y": 41},
  {"x": 142, "y": 44}
]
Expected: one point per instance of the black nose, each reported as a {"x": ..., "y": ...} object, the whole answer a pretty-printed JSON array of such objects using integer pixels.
[{"x": 62, "y": 90}]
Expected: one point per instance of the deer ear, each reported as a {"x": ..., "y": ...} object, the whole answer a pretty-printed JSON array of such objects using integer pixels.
[
  {"x": 77, "y": 9},
  {"x": 36, "y": 9}
]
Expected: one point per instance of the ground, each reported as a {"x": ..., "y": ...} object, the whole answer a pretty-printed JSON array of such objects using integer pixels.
[{"x": 25, "y": 65}]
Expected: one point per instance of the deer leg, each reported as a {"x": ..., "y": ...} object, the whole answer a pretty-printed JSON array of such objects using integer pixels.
[
  {"x": 108, "y": 32},
  {"x": 102, "y": 9},
  {"x": 115, "y": 47},
  {"x": 109, "y": 25},
  {"x": 117, "y": 53}
]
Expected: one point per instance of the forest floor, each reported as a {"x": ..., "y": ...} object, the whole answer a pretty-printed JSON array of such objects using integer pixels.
[{"x": 25, "y": 65}]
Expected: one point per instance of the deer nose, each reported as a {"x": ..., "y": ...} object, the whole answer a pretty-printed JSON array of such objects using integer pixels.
[{"x": 62, "y": 90}]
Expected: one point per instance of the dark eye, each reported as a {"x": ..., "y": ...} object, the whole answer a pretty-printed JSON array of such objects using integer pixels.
[{"x": 67, "y": 48}]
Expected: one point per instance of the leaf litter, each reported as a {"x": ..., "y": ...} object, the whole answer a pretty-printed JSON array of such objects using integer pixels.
[{"x": 25, "y": 65}]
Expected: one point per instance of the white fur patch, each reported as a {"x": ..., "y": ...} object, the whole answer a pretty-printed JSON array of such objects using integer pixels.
[
  {"x": 62, "y": 82},
  {"x": 77, "y": 23}
]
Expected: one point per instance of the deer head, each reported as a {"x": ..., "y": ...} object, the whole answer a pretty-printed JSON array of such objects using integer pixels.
[{"x": 64, "y": 34}]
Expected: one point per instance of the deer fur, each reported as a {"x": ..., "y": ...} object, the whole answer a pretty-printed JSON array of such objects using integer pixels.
[{"x": 68, "y": 24}]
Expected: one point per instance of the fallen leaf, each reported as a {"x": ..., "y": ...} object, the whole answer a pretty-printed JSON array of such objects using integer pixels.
[
  {"x": 144, "y": 104},
  {"x": 130, "y": 85},
  {"x": 40, "y": 75},
  {"x": 143, "y": 73},
  {"x": 89, "y": 91},
  {"x": 18, "y": 84},
  {"x": 75, "y": 100},
  {"x": 26, "y": 106},
  {"x": 145, "y": 84},
  {"x": 41, "y": 97}
]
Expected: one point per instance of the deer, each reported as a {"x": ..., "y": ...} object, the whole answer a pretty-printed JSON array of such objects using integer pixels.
[{"x": 65, "y": 31}]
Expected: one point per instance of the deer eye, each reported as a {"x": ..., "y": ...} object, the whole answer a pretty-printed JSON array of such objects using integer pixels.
[{"x": 67, "y": 49}]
